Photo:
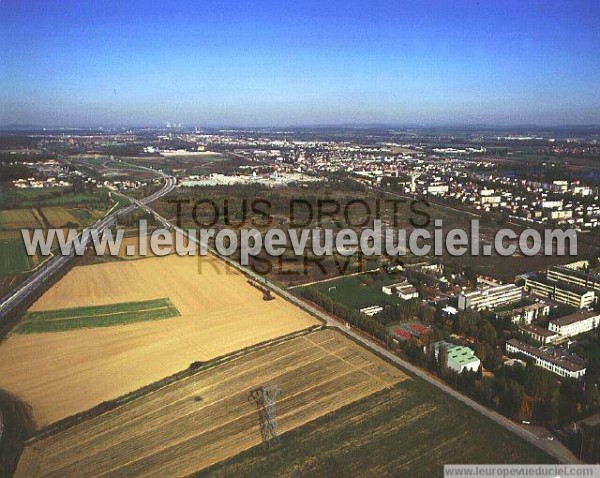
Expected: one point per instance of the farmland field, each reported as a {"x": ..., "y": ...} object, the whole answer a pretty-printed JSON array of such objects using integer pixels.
[
  {"x": 61, "y": 320},
  {"x": 20, "y": 218},
  {"x": 58, "y": 216},
  {"x": 60, "y": 374},
  {"x": 13, "y": 255},
  {"x": 60, "y": 196},
  {"x": 410, "y": 430},
  {"x": 206, "y": 418}
]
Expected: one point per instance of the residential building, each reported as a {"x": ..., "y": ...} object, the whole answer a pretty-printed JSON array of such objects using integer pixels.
[
  {"x": 569, "y": 275},
  {"x": 552, "y": 204},
  {"x": 437, "y": 188},
  {"x": 371, "y": 311},
  {"x": 558, "y": 214},
  {"x": 404, "y": 290},
  {"x": 525, "y": 314}
]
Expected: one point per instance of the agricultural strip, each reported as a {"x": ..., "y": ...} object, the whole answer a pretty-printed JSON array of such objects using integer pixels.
[
  {"x": 14, "y": 258},
  {"x": 206, "y": 418},
  {"x": 58, "y": 216},
  {"x": 60, "y": 320},
  {"x": 19, "y": 218}
]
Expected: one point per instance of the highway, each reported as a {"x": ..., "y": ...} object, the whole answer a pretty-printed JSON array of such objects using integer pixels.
[{"x": 38, "y": 280}]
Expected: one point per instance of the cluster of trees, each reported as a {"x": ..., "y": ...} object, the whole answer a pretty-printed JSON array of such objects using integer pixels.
[
  {"x": 11, "y": 172},
  {"x": 133, "y": 218},
  {"x": 520, "y": 392},
  {"x": 404, "y": 311},
  {"x": 79, "y": 185}
]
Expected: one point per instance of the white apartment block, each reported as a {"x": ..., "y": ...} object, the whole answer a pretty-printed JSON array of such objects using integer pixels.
[
  {"x": 525, "y": 314},
  {"x": 564, "y": 293},
  {"x": 575, "y": 324},
  {"x": 404, "y": 290},
  {"x": 552, "y": 204},
  {"x": 553, "y": 359},
  {"x": 437, "y": 188},
  {"x": 490, "y": 298},
  {"x": 573, "y": 276},
  {"x": 371, "y": 311},
  {"x": 541, "y": 334}
]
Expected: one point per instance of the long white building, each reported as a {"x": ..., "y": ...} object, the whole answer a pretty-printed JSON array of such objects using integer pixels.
[
  {"x": 575, "y": 324},
  {"x": 572, "y": 276},
  {"x": 556, "y": 360},
  {"x": 490, "y": 298}
]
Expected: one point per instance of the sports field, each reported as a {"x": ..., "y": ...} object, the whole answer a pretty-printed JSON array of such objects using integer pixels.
[
  {"x": 63, "y": 373},
  {"x": 206, "y": 418},
  {"x": 60, "y": 320},
  {"x": 353, "y": 293}
]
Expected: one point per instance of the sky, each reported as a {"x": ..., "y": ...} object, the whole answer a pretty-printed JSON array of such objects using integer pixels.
[{"x": 274, "y": 63}]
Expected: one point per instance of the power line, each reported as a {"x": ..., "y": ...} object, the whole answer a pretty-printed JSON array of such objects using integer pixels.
[{"x": 265, "y": 399}]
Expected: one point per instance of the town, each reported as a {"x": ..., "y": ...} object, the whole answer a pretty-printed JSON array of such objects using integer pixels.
[{"x": 309, "y": 239}]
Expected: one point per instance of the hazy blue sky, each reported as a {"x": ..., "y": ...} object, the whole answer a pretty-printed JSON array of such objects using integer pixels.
[{"x": 258, "y": 62}]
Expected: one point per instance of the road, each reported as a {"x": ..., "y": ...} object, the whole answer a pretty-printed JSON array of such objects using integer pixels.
[
  {"x": 553, "y": 448},
  {"x": 38, "y": 280}
]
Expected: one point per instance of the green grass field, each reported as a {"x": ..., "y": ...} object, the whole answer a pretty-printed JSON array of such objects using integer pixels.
[
  {"x": 351, "y": 292},
  {"x": 58, "y": 196},
  {"x": 61, "y": 320},
  {"x": 409, "y": 430},
  {"x": 14, "y": 258}
]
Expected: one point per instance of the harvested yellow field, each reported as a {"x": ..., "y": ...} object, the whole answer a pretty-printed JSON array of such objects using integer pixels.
[
  {"x": 132, "y": 244},
  {"x": 59, "y": 216},
  {"x": 206, "y": 418},
  {"x": 20, "y": 218},
  {"x": 63, "y": 373}
]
